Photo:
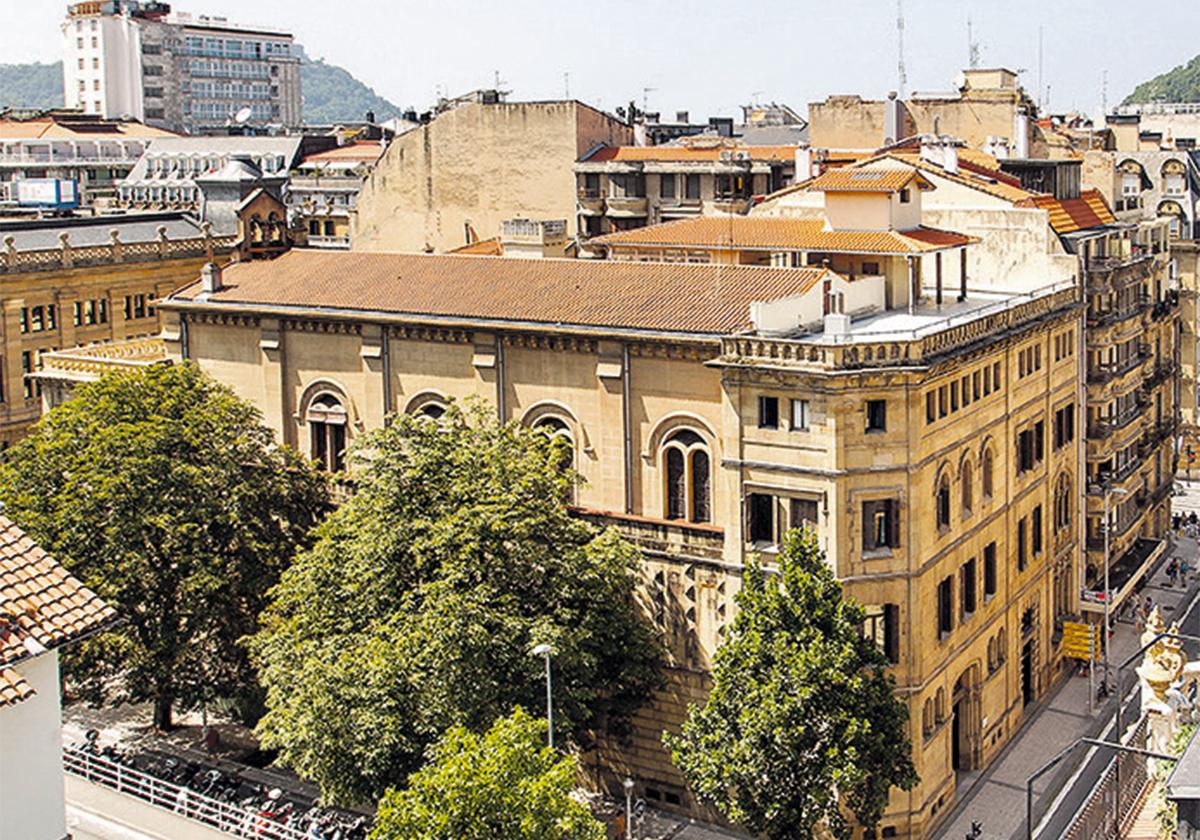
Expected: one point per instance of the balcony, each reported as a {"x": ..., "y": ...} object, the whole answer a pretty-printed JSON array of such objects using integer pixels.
[
  {"x": 1103, "y": 428},
  {"x": 738, "y": 204},
  {"x": 1160, "y": 374},
  {"x": 1155, "y": 435},
  {"x": 1101, "y": 374},
  {"x": 630, "y": 207},
  {"x": 1108, "y": 273},
  {"x": 1165, "y": 307},
  {"x": 589, "y": 203}
]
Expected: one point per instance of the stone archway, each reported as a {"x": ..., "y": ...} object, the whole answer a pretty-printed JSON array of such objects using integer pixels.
[{"x": 966, "y": 735}]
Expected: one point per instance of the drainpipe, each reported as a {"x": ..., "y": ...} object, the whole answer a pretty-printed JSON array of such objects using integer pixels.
[
  {"x": 501, "y": 409},
  {"x": 912, "y": 280},
  {"x": 387, "y": 374},
  {"x": 627, "y": 423}
]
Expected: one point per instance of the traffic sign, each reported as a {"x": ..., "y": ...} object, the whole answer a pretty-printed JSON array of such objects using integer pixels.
[{"x": 1080, "y": 640}]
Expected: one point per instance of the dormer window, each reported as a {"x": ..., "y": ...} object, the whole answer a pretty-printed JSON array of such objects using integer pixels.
[{"x": 905, "y": 195}]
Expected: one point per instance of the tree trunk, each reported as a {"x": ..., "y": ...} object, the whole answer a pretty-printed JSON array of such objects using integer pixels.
[{"x": 162, "y": 714}]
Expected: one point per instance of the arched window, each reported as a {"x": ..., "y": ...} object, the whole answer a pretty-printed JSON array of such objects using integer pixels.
[
  {"x": 942, "y": 503},
  {"x": 991, "y": 654},
  {"x": 989, "y": 473},
  {"x": 1062, "y": 503},
  {"x": 326, "y": 418},
  {"x": 687, "y": 477},
  {"x": 557, "y": 428},
  {"x": 927, "y": 718},
  {"x": 968, "y": 488},
  {"x": 939, "y": 705},
  {"x": 431, "y": 404},
  {"x": 1001, "y": 646}
]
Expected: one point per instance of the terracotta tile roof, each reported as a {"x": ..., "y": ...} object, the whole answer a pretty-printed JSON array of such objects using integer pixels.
[
  {"x": 973, "y": 172},
  {"x": 687, "y": 154},
  {"x": 660, "y": 297},
  {"x": 775, "y": 233},
  {"x": 367, "y": 151},
  {"x": 484, "y": 247},
  {"x": 876, "y": 179},
  {"x": 42, "y": 605},
  {"x": 49, "y": 129},
  {"x": 1072, "y": 214},
  {"x": 13, "y": 687}
]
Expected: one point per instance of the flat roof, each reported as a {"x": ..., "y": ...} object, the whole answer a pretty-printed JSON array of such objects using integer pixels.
[{"x": 42, "y": 234}]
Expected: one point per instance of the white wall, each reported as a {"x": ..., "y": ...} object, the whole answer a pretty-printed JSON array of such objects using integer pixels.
[
  {"x": 31, "y": 771},
  {"x": 119, "y": 49}
]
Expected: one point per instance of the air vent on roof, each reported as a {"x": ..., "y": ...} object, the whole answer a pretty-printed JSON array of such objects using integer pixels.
[{"x": 866, "y": 176}]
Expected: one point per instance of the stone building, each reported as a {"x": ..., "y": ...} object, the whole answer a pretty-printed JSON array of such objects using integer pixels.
[
  {"x": 135, "y": 59},
  {"x": 872, "y": 396},
  {"x": 73, "y": 282},
  {"x": 322, "y": 192},
  {"x": 452, "y": 181}
]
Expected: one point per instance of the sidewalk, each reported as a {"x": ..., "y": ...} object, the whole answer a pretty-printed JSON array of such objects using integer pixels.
[{"x": 996, "y": 798}]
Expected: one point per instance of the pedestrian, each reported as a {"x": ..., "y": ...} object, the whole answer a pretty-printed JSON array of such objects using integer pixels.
[{"x": 1172, "y": 571}]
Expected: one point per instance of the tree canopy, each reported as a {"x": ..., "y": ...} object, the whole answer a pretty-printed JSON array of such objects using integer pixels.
[
  {"x": 419, "y": 605},
  {"x": 166, "y": 495},
  {"x": 802, "y": 723},
  {"x": 503, "y": 785}
]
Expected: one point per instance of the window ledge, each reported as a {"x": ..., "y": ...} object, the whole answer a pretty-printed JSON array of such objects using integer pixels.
[{"x": 877, "y": 553}]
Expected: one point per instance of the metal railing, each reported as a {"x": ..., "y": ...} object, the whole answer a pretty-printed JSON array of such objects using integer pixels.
[
  {"x": 1095, "y": 818},
  {"x": 225, "y": 816}
]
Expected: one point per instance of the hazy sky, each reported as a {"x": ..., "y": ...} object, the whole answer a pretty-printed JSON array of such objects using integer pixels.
[{"x": 705, "y": 56}]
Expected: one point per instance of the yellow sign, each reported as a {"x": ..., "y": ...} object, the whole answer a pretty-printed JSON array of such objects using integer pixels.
[{"x": 1080, "y": 640}]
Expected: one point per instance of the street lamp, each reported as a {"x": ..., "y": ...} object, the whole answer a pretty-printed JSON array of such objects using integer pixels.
[
  {"x": 1108, "y": 492},
  {"x": 545, "y": 650},
  {"x": 628, "y": 785}
]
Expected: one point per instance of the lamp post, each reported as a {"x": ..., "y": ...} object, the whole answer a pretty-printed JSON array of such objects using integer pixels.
[
  {"x": 1108, "y": 492},
  {"x": 545, "y": 650},
  {"x": 628, "y": 785}
]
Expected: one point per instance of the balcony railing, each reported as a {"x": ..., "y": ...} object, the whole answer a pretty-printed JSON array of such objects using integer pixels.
[
  {"x": 634, "y": 206},
  {"x": 1160, "y": 374},
  {"x": 1102, "y": 373},
  {"x": 1103, "y": 427}
]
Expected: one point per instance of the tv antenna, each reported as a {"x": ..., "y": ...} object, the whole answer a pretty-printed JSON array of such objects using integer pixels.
[
  {"x": 243, "y": 116},
  {"x": 646, "y": 91},
  {"x": 972, "y": 48},
  {"x": 1039, "y": 83},
  {"x": 566, "y": 85},
  {"x": 1104, "y": 93},
  {"x": 900, "y": 73}
]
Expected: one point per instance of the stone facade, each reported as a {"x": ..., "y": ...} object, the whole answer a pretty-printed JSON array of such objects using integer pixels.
[{"x": 453, "y": 180}]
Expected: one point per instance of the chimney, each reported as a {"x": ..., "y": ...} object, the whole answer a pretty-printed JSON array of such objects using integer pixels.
[
  {"x": 950, "y": 155},
  {"x": 681, "y": 117},
  {"x": 371, "y": 117},
  {"x": 804, "y": 164},
  {"x": 210, "y": 278},
  {"x": 932, "y": 149},
  {"x": 891, "y": 119},
  {"x": 1021, "y": 134}
]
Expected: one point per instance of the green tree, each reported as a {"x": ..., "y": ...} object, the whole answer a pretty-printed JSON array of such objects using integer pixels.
[
  {"x": 503, "y": 785},
  {"x": 165, "y": 494},
  {"x": 802, "y": 723},
  {"x": 420, "y": 602}
]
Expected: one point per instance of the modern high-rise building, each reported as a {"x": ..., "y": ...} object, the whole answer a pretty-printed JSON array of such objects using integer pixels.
[{"x": 138, "y": 60}]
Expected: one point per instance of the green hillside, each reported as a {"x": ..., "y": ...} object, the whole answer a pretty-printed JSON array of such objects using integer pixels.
[
  {"x": 31, "y": 85},
  {"x": 330, "y": 93},
  {"x": 1179, "y": 85}
]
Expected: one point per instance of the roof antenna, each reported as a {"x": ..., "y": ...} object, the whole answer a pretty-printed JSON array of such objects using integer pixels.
[
  {"x": 972, "y": 48},
  {"x": 566, "y": 85},
  {"x": 1039, "y": 87},
  {"x": 901, "y": 74}
]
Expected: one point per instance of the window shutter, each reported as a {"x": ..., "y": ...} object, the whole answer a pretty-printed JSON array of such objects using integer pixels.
[
  {"x": 893, "y": 508},
  {"x": 868, "y": 518}
]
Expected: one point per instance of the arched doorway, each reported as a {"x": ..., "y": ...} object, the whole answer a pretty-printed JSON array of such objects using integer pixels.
[{"x": 965, "y": 721}]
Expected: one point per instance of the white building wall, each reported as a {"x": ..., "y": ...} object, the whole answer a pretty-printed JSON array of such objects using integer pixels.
[
  {"x": 111, "y": 53},
  {"x": 31, "y": 771}
]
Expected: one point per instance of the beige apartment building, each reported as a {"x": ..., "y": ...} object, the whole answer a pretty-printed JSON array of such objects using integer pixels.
[
  {"x": 77, "y": 282},
  {"x": 857, "y": 384},
  {"x": 452, "y": 180}
]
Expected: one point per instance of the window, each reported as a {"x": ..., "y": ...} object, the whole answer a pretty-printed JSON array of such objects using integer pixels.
[
  {"x": 27, "y": 368},
  {"x": 931, "y": 406},
  {"x": 761, "y": 509},
  {"x": 314, "y": 228},
  {"x": 327, "y": 431},
  {"x": 691, "y": 187},
  {"x": 799, "y": 415},
  {"x": 945, "y": 607},
  {"x": 989, "y": 472},
  {"x": 135, "y": 307},
  {"x": 666, "y": 186},
  {"x": 1022, "y": 543},
  {"x": 768, "y": 412},
  {"x": 329, "y": 227},
  {"x": 687, "y": 476},
  {"x": 989, "y": 570},
  {"x": 1030, "y": 445},
  {"x": 804, "y": 514},
  {"x": 883, "y": 628},
  {"x": 557, "y": 429},
  {"x": 905, "y": 195},
  {"x": 1036, "y": 530},
  {"x": 876, "y": 415},
  {"x": 927, "y": 718},
  {"x": 881, "y": 524},
  {"x": 1062, "y": 503},
  {"x": 942, "y": 504},
  {"x": 967, "y": 591},
  {"x": 967, "y": 480},
  {"x": 870, "y": 268},
  {"x": 1064, "y": 426}
]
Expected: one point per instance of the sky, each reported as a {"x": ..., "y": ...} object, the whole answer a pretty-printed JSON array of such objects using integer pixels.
[{"x": 707, "y": 57}]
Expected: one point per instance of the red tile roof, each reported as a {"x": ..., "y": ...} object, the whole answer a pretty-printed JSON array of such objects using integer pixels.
[
  {"x": 42, "y": 605},
  {"x": 367, "y": 151},
  {"x": 485, "y": 247},
  {"x": 687, "y": 154},
  {"x": 1072, "y": 214},
  {"x": 854, "y": 179},
  {"x": 779, "y": 233},
  {"x": 13, "y": 687},
  {"x": 660, "y": 297}
]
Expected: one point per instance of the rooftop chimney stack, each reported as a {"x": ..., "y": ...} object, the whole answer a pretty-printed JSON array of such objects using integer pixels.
[
  {"x": 950, "y": 155},
  {"x": 681, "y": 117},
  {"x": 932, "y": 149},
  {"x": 210, "y": 278}
]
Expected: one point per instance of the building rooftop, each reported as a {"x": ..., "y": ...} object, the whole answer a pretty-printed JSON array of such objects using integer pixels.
[
  {"x": 363, "y": 151},
  {"x": 42, "y": 607},
  {"x": 78, "y": 127},
  {"x": 1071, "y": 214},
  {"x": 42, "y": 234},
  {"x": 679, "y": 298},
  {"x": 688, "y": 154},
  {"x": 783, "y": 234},
  {"x": 876, "y": 180}
]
